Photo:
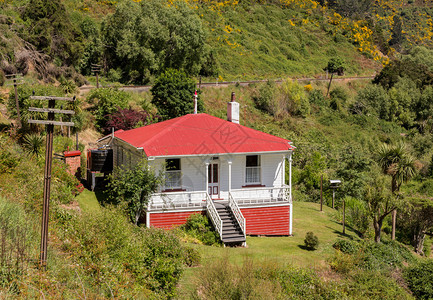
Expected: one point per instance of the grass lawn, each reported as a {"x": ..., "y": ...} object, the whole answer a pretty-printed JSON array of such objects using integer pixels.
[
  {"x": 281, "y": 250},
  {"x": 88, "y": 200}
]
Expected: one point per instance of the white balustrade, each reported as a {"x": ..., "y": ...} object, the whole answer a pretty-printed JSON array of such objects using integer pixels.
[
  {"x": 237, "y": 213},
  {"x": 214, "y": 216}
]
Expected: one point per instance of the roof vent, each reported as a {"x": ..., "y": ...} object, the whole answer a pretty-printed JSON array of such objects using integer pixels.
[{"x": 233, "y": 110}]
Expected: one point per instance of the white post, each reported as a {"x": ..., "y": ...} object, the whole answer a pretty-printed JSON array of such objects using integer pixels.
[
  {"x": 290, "y": 193},
  {"x": 230, "y": 175},
  {"x": 290, "y": 174},
  {"x": 147, "y": 219},
  {"x": 283, "y": 171},
  {"x": 207, "y": 177}
]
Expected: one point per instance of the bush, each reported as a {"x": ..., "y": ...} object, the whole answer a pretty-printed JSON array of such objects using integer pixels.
[
  {"x": 338, "y": 99},
  {"x": 264, "y": 98},
  {"x": 128, "y": 118},
  {"x": 316, "y": 97},
  {"x": 295, "y": 98},
  {"x": 345, "y": 246},
  {"x": 198, "y": 226},
  {"x": 419, "y": 278},
  {"x": 311, "y": 241},
  {"x": 106, "y": 102}
]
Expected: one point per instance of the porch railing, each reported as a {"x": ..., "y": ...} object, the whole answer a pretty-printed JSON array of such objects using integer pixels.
[
  {"x": 214, "y": 216},
  {"x": 171, "y": 200},
  {"x": 261, "y": 195},
  {"x": 237, "y": 213}
]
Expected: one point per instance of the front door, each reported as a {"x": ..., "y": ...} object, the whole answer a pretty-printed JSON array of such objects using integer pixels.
[{"x": 213, "y": 180}]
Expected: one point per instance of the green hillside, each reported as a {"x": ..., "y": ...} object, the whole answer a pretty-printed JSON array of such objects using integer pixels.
[{"x": 375, "y": 134}]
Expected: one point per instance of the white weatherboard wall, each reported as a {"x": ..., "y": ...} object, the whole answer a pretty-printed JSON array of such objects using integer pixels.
[
  {"x": 194, "y": 171},
  {"x": 125, "y": 155}
]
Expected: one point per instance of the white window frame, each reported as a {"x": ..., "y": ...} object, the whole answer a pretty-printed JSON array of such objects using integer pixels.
[
  {"x": 177, "y": 182},
  {"x": 255, "y": 172}
]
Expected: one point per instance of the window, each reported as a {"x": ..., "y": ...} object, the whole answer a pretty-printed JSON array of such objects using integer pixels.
[
  {"x": 252, "y": 174},
  {"x": 173, "y": 173}
]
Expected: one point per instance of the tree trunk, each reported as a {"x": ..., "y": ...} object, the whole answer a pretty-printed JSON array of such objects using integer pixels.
[
  {"x": 394, "y": 219},
  {"x": 377, "y": 224},
  {"x": 418, "y": 239}
]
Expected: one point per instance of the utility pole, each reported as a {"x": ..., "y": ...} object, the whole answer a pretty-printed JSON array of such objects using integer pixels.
[
  {"x": 50, "y": 122},
  {"x": 17, "y": 79},
  {"x": 96, "y": 69}
]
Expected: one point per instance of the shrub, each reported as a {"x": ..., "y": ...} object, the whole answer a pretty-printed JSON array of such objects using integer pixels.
[
  {"x": 33, "y": 144},
  {"x": 345, "y": 246},
  {"x": 316, "y": 97},
  {"x": 264, "y": 98},
  {"x": 311, "y": 241},
  {"x": 419, "y": 278},
  {"x": 199, "y": 227},
  {"x": 338, "y": 99},
  {"x": 127, "y": 118},
  {"x": 295, "y": 98},
  {"x": 107, "y": 101}
]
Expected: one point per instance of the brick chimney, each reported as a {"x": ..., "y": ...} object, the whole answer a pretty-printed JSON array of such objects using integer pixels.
[{"x": 233, "y": 110}]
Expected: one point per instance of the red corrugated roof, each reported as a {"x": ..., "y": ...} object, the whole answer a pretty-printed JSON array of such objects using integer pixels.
[{"x": 200, "y": 134}]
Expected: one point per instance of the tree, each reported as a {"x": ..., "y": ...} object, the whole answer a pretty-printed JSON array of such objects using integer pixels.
[
  {"x": 417, "y": 219},
  {"x": 152, "y": 36},
  {"x": 395, "y": 160},
  {"x": 173, "y": 94},
  {"x": 335, "y": 66},
  {"x": 133, "y": 188},
  {"x": 380, "y": 203},
  {"x": 51, "y": 30}
]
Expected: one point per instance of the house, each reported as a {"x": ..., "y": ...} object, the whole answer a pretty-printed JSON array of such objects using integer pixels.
[{"x": 233, "y": 173}]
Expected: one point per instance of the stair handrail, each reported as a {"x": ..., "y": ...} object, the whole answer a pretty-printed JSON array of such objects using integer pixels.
[
  {"x": 237, "y": 213},
  {"x": 214, "y": 216}
]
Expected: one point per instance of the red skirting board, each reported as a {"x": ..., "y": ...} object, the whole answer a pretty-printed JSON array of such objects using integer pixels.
[
  {"x": 170, "y": 219},
  {"x": 267, "y": 220}
]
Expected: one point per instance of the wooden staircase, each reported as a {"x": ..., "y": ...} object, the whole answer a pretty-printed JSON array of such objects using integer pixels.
[{"x": 232, "y": 234}]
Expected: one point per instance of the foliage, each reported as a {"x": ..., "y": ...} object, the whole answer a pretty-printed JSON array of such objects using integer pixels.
[
  {"x": 311, "y": 241},
  {"x": 417, "y": 219},
  {"x": 199, "y": 227},
  {"x": 119, "y": 257},
  {"x": 419, "y": 278},
  {"x": 380, "y": 202},
  {"x": 128, "y": 118},
  {"x": 252, "y": 280},
  {"x": 133, "y": 187},
  {"x": 337, "y": 66},
  {"x": 372, "y": 100},
  {"x": 151, "y": 36},
  {"x": 357, "y": 215},
  {"x": 17, "y": 241},
  {"x": 264, "y": 97},
  {"x": 346, "y": 246},
  {"x": 107, "y": 101},
  {"x": 338, "y": 99},
  {"x": 33, "y": 144},
  {"x": 51, "y": 30},
  {"x": 24, "y": 92},
  {"x": 295, "y": 98},
  {"x": 396, "y": 161},
  {"x": 173, "y": 94}
]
